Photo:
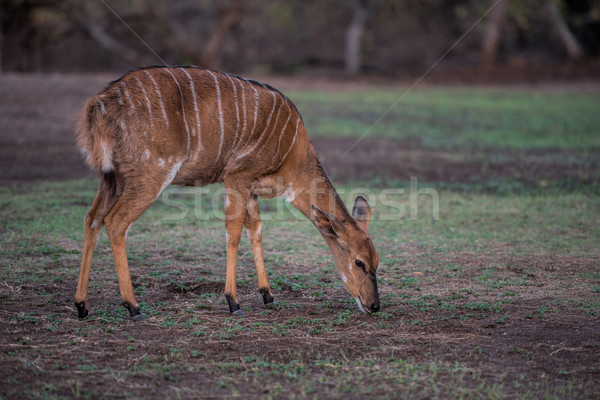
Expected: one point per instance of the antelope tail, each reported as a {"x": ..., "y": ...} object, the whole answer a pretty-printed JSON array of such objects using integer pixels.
[{"x": 94, "y": 136}]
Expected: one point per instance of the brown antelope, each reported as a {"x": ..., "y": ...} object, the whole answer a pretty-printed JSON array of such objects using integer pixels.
[{"x": 190, "y": 126}]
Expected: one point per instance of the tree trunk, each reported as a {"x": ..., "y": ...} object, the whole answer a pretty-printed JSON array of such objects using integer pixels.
[
  {"x": 572, "y": 46},
  {"x": 353, "y": 51},
  {"x": 1, "y": 42},
  {"x": 491, "y": 35},
  {"x": 231, "y": 16}
]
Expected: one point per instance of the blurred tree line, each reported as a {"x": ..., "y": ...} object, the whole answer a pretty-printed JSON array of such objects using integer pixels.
[{"x": 287, "y": 36}]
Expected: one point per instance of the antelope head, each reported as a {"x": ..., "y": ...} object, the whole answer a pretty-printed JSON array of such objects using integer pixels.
[{"x": 355, "y": 257}]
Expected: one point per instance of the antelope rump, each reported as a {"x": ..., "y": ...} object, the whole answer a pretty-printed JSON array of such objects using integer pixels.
[{"x": 190, "y": 126}]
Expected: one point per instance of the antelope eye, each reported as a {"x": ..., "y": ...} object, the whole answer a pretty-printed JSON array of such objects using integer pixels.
[{"x": 359, "y": 264}]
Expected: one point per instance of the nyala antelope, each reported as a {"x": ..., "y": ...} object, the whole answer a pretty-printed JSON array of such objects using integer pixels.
[{"x": 190, "y": 126}]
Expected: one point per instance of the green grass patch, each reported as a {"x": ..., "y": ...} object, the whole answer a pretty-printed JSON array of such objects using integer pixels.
[{"x": 447, "y": 117}]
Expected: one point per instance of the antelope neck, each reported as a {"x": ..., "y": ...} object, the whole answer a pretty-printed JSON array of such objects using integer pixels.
[{"x": 315, "y": 188}]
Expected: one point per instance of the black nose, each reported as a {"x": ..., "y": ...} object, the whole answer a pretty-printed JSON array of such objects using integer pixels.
[{"x": 375, "y": 307}]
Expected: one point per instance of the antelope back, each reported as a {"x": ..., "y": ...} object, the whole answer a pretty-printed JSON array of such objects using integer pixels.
[{"x": 196, "y": 125}]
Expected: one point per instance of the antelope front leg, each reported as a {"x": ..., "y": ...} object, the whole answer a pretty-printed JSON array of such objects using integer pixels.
[
  {"x": 253, "y": 227},
  {"x": 235, "y": 212}
]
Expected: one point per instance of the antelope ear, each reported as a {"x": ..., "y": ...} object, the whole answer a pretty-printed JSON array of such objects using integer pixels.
[
  {"x": 361, "y": 210},
  {"x": 327, "y": 224}
]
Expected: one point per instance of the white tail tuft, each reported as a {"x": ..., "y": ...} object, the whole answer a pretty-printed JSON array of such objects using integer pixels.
[{"x": 107, "y": 154}]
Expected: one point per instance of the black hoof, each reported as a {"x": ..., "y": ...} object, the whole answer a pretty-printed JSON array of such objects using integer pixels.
[
  {"x": 138, "y": 317},
  {"x": 266, "y": 294},
  {"x": 133, "y": 311},
  {"x": 234, "y": 306},
  {"x": 82, "y": 312},
  {"x": 238, "y": 313}
]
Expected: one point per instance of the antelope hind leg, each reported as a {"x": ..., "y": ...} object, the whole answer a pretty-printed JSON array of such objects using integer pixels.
[
  {"x": 108, "y": 192},
  {"x": 133, "y": 202},
  {"x": 92, "y": 228}
]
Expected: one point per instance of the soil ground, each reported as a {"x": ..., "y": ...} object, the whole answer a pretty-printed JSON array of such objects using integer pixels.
[{"x": 522, "y": 342}]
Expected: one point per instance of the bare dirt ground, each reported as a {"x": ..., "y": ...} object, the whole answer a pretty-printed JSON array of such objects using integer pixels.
[
  {"x": 199, "y": 351},
  {"x": 523, "y": 343}
]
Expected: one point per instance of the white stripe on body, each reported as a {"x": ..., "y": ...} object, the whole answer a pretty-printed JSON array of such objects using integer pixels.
[
  {"x": 126, "y": 92},
  {"x": 242, "y": 132},
  {"x": 220, "y": 109},
  {"x": 102, "y": 109},
  {"x": 283, "y": 129},
  {"x": 251, "y": 134},
  {"x": 145, "y": 98},
  {"x": 199, "y": 122},
  {"x": 237, "y": 112},
  {"x": 256, "y": 100},
  {"x": 187, "y": 129},
  {"x": 291, "y": 146},
  {"x": 265, "y": 128},
  {"x": 119, "y": 96},
  {"x": 274, "y": 124},
  {"x": 193, "y": 90},
  {"x": 243, "y": 118},
  {"x": 160, "y": 99}
]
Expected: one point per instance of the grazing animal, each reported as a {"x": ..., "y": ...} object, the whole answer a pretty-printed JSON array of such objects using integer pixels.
[{"x": 191, "y": 126}]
